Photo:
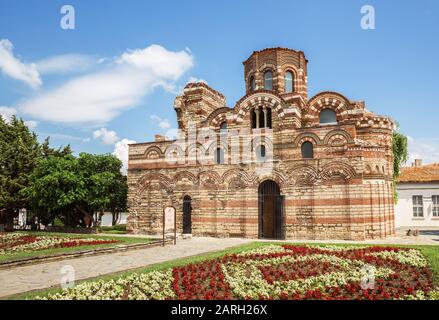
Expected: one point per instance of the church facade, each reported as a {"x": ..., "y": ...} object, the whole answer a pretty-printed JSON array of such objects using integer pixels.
[{"x": 276, "y": 165}]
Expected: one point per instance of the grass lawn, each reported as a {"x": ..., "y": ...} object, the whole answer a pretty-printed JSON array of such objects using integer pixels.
[
  {"x": 431, "y": 253},
  {"x": 118, "y": 229},
  {"x": 85, "y": 244}
]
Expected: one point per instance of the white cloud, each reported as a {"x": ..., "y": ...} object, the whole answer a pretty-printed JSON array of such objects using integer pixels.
[
  {"x": 13, "y": 67},
  {"x": 163, "y": 123},
  {"x": 426, "y": 149},
  {"x": 67, "y": 63},
  {"x": 121, "y": 152},
  {"x": 31, "y": 124},
  {"x": 65, "y": 137},
  {"x": 193, "y": 79},
  {"x": 7, "y": 112},
  {"x": 106, "y": 136},
  {"x": 98, "y": 97}
]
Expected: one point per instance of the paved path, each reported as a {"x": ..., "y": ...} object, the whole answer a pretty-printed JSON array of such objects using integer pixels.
[{"x": 45, "y": 275}]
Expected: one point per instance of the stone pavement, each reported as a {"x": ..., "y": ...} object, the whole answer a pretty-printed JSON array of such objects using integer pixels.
[{"x": 45, "y": 275}]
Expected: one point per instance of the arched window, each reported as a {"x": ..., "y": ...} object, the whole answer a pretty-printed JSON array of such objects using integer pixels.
[
  {"x": 261, "y": 153},
  {"x": 289, "y": 82},
  {"x": 187, "y": 210},
  {"x": 252, "y": 83},
  {"x": 261, "y": 118},
  {"x": 223, "y": 126},
  {"x": 307, "y": 150},
  {"x": 219, "y": 156},
  {"x": 268, "y": 80},
  {"x": 328, "y": 116}
]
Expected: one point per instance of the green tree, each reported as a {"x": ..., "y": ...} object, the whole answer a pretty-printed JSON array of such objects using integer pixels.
[
  {"x": 76, "y": 189},
  {"x": 118, "y": 203},
  {"x": 55, "y": 190},
  {"x": 48, "y": 151},
  {"x": 400, "y": 156},
  {"x": 19, "y": 155}
]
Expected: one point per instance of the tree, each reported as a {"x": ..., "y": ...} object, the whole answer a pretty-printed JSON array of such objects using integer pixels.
[
  {"x": 48, "y": 151},
  {"x": 103, "y": 181},
  {"x": 118, "y": 202},
  {"x": 400, "y": 156},
  {"x": 19, "y": 155},
  {"x": 76, "y": 189}
]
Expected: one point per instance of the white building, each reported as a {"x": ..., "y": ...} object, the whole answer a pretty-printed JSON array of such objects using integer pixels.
[
  {"x": 418, "y": 196},
  {"x": 107, "y": 219}
]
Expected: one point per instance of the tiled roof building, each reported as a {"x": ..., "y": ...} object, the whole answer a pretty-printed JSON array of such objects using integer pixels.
[
  {"x": 275, "y": 165},
  {"x": 426, "y": 173}
]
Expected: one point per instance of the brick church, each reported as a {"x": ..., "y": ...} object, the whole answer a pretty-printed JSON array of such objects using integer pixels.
[{"x": 276, "y": 165}]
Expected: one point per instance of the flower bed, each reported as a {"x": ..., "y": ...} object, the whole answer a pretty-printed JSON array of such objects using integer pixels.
[
  {"x": 278, "y": 272},
  {"x": 12, "y": 243}
]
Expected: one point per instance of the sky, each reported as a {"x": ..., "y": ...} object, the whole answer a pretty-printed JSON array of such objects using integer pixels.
[{"x": 113, "y": 78}]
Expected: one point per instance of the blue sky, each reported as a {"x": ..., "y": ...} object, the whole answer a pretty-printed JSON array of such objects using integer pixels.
[{"x": 393, "y": 68}]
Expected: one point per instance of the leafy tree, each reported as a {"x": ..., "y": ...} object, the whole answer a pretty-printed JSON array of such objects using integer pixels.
[
  {"x": 76, "y": 189},
  {"x": 400, "y": 156},
  {"x": 19, "y": 155},
  {"x": 48, "y": 151},
  {"x": 55, "y": 190},
  {"x": 118, "y": 203}
]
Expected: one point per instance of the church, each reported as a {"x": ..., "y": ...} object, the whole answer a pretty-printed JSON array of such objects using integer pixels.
[{"x": 276, "y": 165}]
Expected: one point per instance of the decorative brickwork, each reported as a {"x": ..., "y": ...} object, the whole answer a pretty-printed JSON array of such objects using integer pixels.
[{"x": 223, "y": 155}]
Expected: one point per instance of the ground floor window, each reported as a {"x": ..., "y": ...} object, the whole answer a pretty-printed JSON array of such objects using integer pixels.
[
  {"x": 418, "y": 206},
  {"x": 435, "y": 200}
]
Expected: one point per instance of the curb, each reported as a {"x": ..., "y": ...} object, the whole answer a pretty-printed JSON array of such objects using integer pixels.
[{"x": 78, "y": 254}]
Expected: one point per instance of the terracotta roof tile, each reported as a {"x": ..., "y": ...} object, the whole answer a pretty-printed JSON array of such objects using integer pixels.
[{"x": 427, "y": 173}]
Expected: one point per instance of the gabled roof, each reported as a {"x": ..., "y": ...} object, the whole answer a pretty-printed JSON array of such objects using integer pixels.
[{"x": 420, "y": 174}]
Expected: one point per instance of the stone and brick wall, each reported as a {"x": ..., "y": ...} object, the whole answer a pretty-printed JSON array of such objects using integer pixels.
[{"x": 344, "y": 192}]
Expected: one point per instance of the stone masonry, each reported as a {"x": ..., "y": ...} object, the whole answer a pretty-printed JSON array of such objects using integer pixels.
[{"x": 222, "y": 156}]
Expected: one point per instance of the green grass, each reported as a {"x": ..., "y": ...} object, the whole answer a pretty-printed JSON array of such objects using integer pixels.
[
  {"x": 54, "y": 251},
  {"x": 430, "y": 252},
  {"x": 118, "y": 229}
]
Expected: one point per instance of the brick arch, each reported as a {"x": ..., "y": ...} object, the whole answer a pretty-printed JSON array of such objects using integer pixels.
[
  {"x": 333, "y": 133},
  {"x": 251, "y": 73},
  {"x": 257, "y": 99},
  {"x": 217, "y": 116},
  {"x": 185, "y": 174},
  {"x": 303, "y": 175},
  {"x": 174, "y": 147},
  {"x": 268, "y": 67},
  {"x": 275, "y": 175},
  {"x": 296, "y": 77},
  {"x": 146, "y": 180},
  {"x": 231, "y": 174},
  {"x": 209, "y": 179},
  {"x": 327, "y": 100},
  {"x": 337, "y": 169},
  {"x": 153, "y": 149},
  {"x": 261, "y": 140},
  {"x": 217, "y": 144},
  {"x": 307, "y": 136},
  {"x": 195, "y": 146}
]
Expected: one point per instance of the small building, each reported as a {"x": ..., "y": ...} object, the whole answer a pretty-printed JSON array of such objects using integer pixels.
[{"x": 418, "y": 196}]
